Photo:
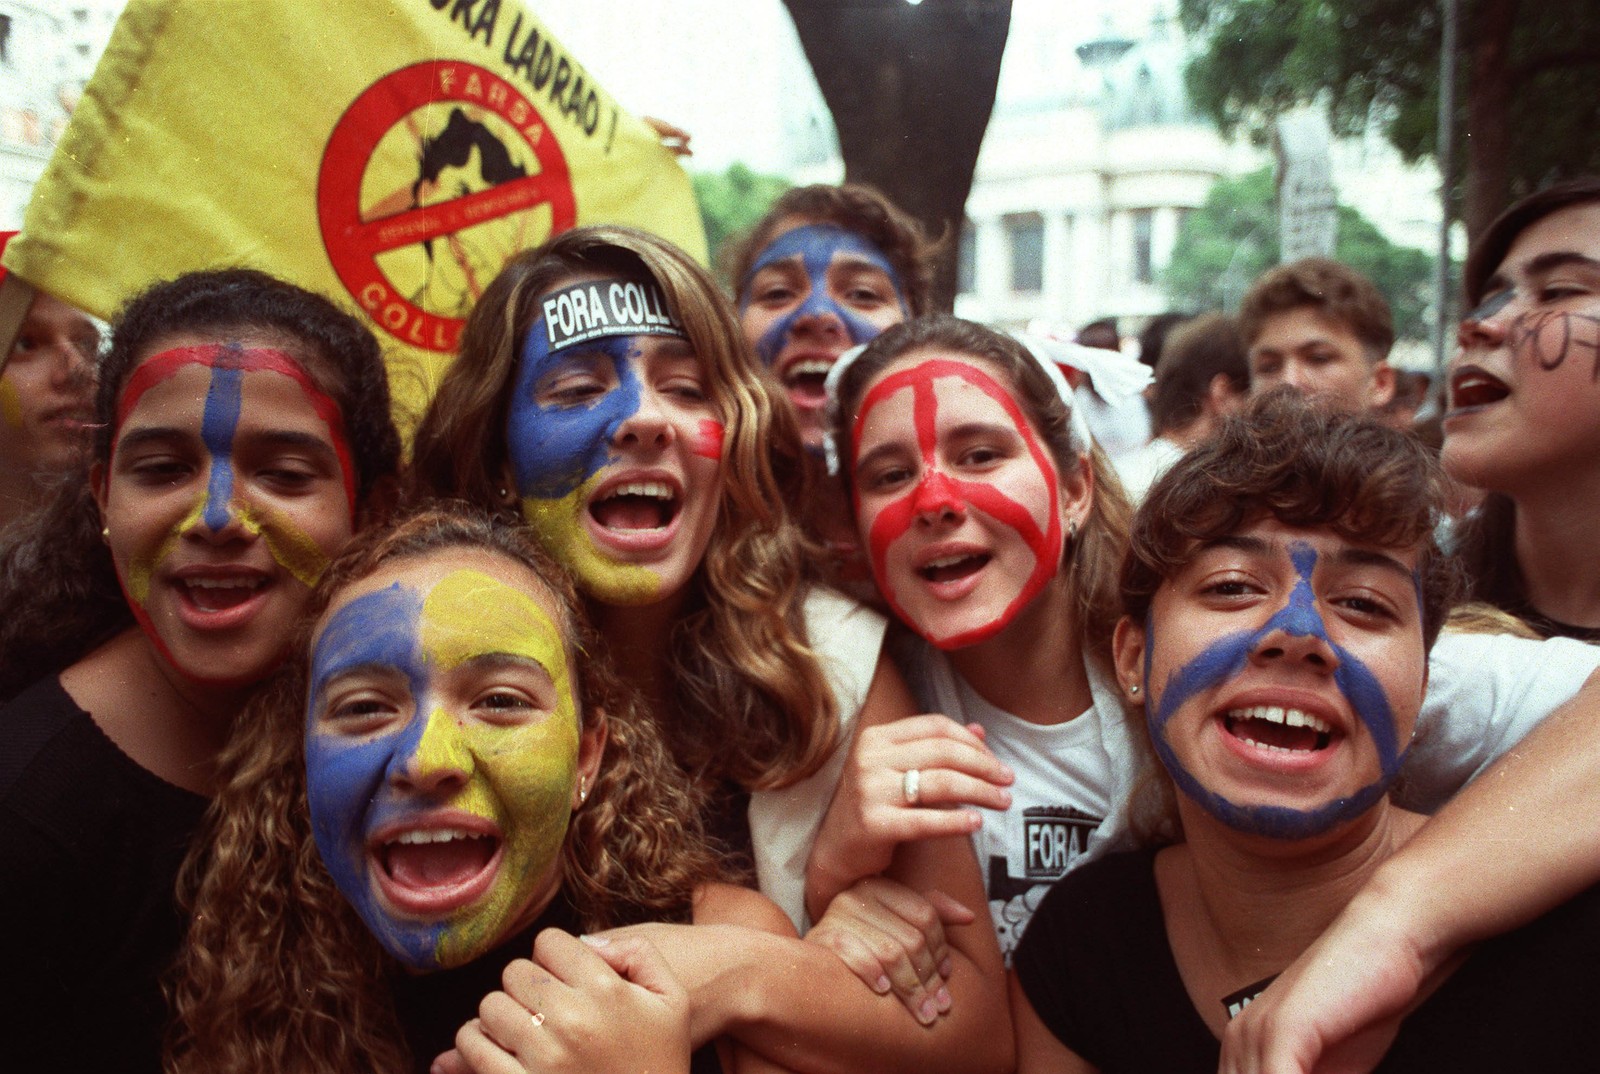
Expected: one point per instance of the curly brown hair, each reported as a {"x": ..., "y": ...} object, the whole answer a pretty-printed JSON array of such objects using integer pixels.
[
  {"x": 1093, "y": 558},
  {"x": 750, "y": 703},
  {"x": 1336, "y": 291},
  {"x": 856, "y": 208},
  {"x": 1305, "y": 466},
  {"x": 277, "y": 971}
]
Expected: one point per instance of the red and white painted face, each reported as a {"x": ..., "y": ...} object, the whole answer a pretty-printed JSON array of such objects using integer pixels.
[{"x": 957, "y": 496}]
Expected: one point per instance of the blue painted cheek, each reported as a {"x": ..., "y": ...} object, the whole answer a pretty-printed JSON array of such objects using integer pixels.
[
  {"x": 345, "y": 778},
  {"x": 217, "y": 426},
  {"x": 554, "y": 449}
]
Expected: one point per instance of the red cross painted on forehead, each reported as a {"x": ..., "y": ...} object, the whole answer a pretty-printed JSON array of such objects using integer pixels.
[
  {"x": 938, "y": 491},
  {"x": 159, "y": 367}
]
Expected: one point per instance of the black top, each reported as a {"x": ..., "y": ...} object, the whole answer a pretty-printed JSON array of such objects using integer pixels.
[
  {"x": 432, "y": 1006},
  {"x": 91, "y": 844},
  {"x": 1097, "y": 968}
]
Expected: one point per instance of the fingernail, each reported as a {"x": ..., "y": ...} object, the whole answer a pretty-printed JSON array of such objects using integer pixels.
[
  {"x": 927, "y": 1011},
  {"x": 595, "y": 941},
  {"x": 881, "y": 985},
  {"x": 946, "y": 968},
  {"x": 942, "y": 997}
]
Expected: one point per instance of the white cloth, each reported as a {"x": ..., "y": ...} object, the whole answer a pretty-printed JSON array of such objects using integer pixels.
[
  {"x": 847, "y": 638},
  {"x": 1139, "y": 469},
  {"x": 1485, "y": 692}
]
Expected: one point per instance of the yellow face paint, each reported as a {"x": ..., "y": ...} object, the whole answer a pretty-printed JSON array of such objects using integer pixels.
[
  {"x": 293, "y": 550},
  {"x": 558, "y": 524}
]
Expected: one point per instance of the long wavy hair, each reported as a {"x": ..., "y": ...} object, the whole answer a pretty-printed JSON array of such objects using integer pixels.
[
  {"x": 57, "y": 583},
  {"x": 277, "y": 972},
  {"x": 1090, "y": 561},
  {"x": 750, "y": 703}
]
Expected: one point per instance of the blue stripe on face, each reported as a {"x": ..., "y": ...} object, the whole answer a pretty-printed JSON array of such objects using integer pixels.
[
  {"x": 554, "y": 449},
  {"x": 816, "y": 245},
  {"x": 1224, "y": 659},
  {"x": 217, "y": 426},
  {"x": 346, "y": 778}
]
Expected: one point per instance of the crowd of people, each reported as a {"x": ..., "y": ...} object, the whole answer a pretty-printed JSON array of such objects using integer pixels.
[{"x": 802, "y": 678}]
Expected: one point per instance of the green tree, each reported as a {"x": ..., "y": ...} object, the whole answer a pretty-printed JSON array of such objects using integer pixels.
[
  {"x": 1527, "y": 71},
  {"x": 731, "y": 202},
  {"x": 1233, "y": 238}
]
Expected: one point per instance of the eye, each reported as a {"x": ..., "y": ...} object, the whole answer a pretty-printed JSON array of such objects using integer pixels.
[
  {"x": 157, "y": 470},
  {"x": 1562, "y": 289},
  {"x": 691, "y": 389},
  {"x": 1367, "y": 605},
  {"x": 981, "y": 455},
  {"x": 359, "y": 713},
  {"x": 1267, "y": 367},
  {"x": 775, "y": 295},
  {"x": 1231, "y": 588},
  {"x": 573, "y": 389},
  {"x": 884, "y": 477}
]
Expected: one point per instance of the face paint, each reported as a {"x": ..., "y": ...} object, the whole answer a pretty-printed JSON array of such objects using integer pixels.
[
  {"x": 613, "y": 447},
  {"x": 940, "y": 489},
  {"x": 174, "y": 484},
  {"x": 816, "y": 246},
  {"x": 1491, "y": 305},
  {"x": 441, "y": 754},
  {"x": 1224, "y": 659}
]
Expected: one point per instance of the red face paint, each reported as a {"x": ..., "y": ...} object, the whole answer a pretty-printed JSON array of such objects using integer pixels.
[
  {"x": 942, "y": 492},
  {"x": 708, "y": 439}
]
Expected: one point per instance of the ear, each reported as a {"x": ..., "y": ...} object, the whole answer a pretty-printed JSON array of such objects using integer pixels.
[
  {"x": 507, "y": 489},
  {"x": 591, "y": 746},
  {"x": 97, "y": 483},
  {"x": 1077, "y": 491},
  {"x": 1382, "y": 390},
  {"x": 1127, "y": 656},
  {"x": 1220, "y": 398}
]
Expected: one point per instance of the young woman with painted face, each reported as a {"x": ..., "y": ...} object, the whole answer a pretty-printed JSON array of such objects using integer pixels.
[
  {"x": 602, "y": 395},
  {"x": 1525, "y": 407},
  {"x": 433, "y": 780},
  {"x": 1281, "y": 595},
  {"x": 993, "y": 531},
  {"x": 827, "y": 269},
  {"x": 242, "y": 429}
]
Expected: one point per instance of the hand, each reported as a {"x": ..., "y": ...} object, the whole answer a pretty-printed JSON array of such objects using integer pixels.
[
  {"x": 871, "y": 813},
  {"x": 602, "y": 1005},
  {"x": 672, "y": 136},
  {"x": 1337, "y": 1008},
  {"x": 893, "y": 938}
]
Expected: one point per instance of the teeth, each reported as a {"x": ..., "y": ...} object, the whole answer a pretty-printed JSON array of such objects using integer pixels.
[
  {"x": 435, "y": 835},
  {"x": 223, "y": 583},
  {"x": 945, "y": 561},
  {"x": 1287, "y": 717},
  {"x": 817, "y": 367},
  {"x": 654, "y": 489}
]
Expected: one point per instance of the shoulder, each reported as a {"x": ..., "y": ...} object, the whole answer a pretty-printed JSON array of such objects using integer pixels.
[
  {"x": 847, "y": 638},
  {"x": 729, "y": 904},
  {"x": 34, "y": 720}
]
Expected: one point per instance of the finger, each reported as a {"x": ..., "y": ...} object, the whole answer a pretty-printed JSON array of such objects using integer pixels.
[
  {"x": 926, "y": 726},
  {"x": 526, "y": 981},
  {"x": 946, "y": 785},
  {"x": 974, "y": 760},
  {"x": 855, "y": 954},
  {"x": 482, "y": 1055},
  {"x": 950, "y": 909},
  {"x": 510, "y": 1024},
  {"x": 451, "y": 1062},
  {"x": 921, "y": 913},
  {"x": 573, "y": 962},
  {"x": 637, "y": 960},
  {"x": 904, "y": 824}
]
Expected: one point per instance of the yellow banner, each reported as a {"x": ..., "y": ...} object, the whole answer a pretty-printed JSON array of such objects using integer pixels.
[{"x": 391, "y": 154}]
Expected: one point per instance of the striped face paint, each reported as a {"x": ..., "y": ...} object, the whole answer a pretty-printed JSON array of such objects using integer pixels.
[
  {"x": 958, "y": 500},
  {"x": 441, "y": 755},
  {"x": 229, "y": 487},
  {"x": 614, "y": 447},
  {"x": 1220, "y": 663}
]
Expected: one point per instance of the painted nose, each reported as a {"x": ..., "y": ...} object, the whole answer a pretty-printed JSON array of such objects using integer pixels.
[
  {"x": 439, "y": 763},
  {"x": 819, "y": 314},
  {"x": 648, "y": 425},
  {"x": 938, "y": 498},
  {"x": 1298, "y": 643}
]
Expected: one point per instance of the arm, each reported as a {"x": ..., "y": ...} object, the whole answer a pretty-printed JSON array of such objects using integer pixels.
[
  {"x": 1038, "y": 1050},
  {"x": 1519, "y": 840}
]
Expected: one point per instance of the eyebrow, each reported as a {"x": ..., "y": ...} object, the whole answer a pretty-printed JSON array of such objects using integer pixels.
[
  {"x": 1539, "y": 265},
  {"x": 1360, "y": 557}
]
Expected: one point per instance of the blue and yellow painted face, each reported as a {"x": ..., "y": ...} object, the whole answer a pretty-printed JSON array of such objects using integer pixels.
[
  {"x": 1268, "y": 710},
  {"x": 613, "y": 444},
  {"x": 442, "y": 752}
]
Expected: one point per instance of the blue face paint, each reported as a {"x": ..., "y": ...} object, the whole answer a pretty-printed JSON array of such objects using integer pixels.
[
  {"x": 816, "y": 245},
  {"x": 345, "y": 777},
  {"x": 217, "y": 426},
  {"x": 1491, "y": 305},
  {"x": 555, "y": 448},
  {"x": 1224, "y": 659}
]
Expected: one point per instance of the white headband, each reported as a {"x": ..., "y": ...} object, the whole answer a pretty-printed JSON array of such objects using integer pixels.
[{"x": 1040, "y": 348}]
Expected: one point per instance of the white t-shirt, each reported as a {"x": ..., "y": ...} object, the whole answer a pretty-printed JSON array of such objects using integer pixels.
[
  {"x": 847, "y": 637},
  {"x": 1075, "y": 780},
  {"x": 1139, "y": 469}
]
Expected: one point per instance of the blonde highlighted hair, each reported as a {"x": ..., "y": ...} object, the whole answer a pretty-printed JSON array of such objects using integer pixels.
[
  {"x": 277, "y": 972},
  {"x": 749, "y": 703}
]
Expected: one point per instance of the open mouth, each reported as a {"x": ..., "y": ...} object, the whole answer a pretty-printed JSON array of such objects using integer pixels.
[
  {"x": 1472, "y": 387},
  {"x": 221, "y": 594},
  {"x": 437, "y": 865},
  {"x": 1270, "y": 727},
  {"x": 954, "y": 568},
  {"x": 636, "y": 505},
  {"x": 806, "y": 380}
]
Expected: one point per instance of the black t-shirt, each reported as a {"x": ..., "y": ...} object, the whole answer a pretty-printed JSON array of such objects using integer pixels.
[
  {"x": 90, "y": 845},
  {"x": 1097, "y": 968}
]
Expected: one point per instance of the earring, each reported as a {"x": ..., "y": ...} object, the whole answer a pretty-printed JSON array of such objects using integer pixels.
[
  {"x": 105, "y": 534},
  {"x": 583, "y": 791},
  {"x": 1072, "y": 530},
  {"x": 504, "y": 493},
  {"x": 1133, "y": 690}
]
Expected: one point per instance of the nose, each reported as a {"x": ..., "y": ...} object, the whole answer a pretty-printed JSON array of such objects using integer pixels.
[
  {"x": 937, "y": 499},
  {"x": 1297, "y": 376},
  {"x": 439, "y": 763},
  {"x": 648, "y": 425},
  {"x": 1301, "y": 644},
  {"x": 1483, "y": 332},
  {"x": 819, "y": 316}
]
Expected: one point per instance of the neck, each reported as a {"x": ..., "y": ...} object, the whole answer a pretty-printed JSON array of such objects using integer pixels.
[
  {"x": 19, "y": 494},
  {"x": 1555, "y": 550},
  {"x": 1033, "y": 668},
  {"x": 637, "y": 637}
]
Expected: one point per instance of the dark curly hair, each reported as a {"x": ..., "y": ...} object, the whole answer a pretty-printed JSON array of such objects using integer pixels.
[
  {"x": 1305, "y": 466},
  {"x": 57, "y": 583}
]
